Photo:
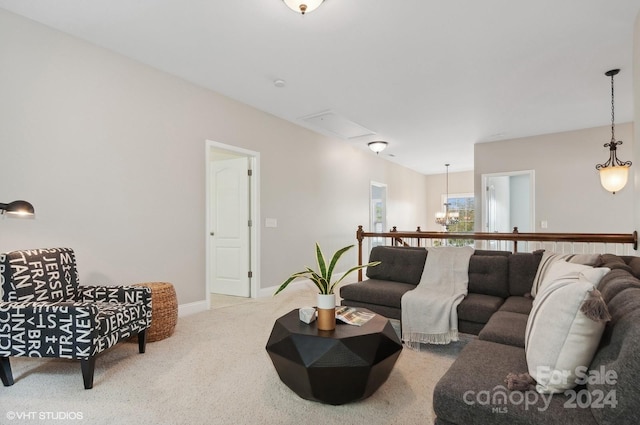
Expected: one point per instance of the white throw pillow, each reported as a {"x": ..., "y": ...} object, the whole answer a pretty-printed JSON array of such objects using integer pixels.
[
  {"x": 550, "y": 258},
  {"x": 561, "y": 270},
  {"x": 559, "y": 337}
]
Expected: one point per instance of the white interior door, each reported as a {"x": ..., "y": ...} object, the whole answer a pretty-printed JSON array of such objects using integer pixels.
[{"x": 230, "y": 227}]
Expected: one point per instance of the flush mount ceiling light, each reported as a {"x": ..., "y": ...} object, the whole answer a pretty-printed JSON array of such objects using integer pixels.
[
  {"x": 377, "y": 146},
  {"x": 304, "y": 6},
  {"x": 613, "y": 173}
]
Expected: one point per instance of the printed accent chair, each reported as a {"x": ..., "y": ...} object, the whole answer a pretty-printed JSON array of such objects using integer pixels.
[{"x": 45, "y": 313}]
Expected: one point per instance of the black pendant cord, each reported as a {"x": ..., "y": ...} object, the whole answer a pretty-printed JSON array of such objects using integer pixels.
[
  {"x": 613, "y": 158},
  {"x": 613, "y": 127},
  {"x": 447, "y": 199}
]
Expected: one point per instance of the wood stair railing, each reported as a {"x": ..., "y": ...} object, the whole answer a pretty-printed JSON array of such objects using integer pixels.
[{"x": 400, "y": 238}]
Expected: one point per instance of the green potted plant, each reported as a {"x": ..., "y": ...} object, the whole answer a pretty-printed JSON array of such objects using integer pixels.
[{"x": 322, "y": 279}]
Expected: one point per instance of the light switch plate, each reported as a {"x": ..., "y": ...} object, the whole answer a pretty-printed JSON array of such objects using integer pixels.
[{"x": 270, "y": 222}]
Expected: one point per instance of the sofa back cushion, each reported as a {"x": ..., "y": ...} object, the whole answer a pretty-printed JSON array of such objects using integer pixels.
[
  {"x": 398, "y": 264},
  {"x": 616, "y": 262},
  {"x": 489, "y": 275},
  {"x": 615, "y": 369},
  {"x": 492, "y": 252},
  {"x": 634, "y": 263},
  {"x": 522, "y": 270}
]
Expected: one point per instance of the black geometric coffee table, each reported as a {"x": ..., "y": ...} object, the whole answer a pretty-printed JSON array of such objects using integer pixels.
[{"x": 333, "y": 367}]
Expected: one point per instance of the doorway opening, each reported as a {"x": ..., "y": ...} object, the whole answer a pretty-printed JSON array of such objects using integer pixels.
[
  {"x": 508, "y": 201},
  {"x": 377, "y": 212},
  {"x": 232, "y": 221}
]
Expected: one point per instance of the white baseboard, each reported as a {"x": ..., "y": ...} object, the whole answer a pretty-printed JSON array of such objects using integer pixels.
[
  {"x": 192, "y": 308},
  {"x": 298, "y": 285},
  {"x": 301, "y": 284}
]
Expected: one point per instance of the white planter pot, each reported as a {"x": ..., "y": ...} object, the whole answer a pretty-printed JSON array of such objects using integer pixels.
[
  {"x": 327, "y": 301},
  {"x": 326, "y": 312}
]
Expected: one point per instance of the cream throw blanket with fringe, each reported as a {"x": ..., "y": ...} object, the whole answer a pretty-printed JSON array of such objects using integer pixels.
[{"x": 429, "y": 312}]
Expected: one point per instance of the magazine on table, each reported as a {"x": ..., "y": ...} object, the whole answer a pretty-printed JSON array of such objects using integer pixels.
[{"x": 353, "y": 316}]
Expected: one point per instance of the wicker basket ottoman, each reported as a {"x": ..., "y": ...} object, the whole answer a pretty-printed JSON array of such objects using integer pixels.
[{"x": 164, "y": 310}]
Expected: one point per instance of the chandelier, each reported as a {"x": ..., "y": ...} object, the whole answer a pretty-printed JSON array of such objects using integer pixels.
[
  {"x": 613, "y": 173},
  {"x": 447, "y": 218}
]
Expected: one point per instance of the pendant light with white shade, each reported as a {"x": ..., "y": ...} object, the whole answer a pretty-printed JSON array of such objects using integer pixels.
[
  {"x": 304, "y": 6},
  {"x": 613, "y": 173}
]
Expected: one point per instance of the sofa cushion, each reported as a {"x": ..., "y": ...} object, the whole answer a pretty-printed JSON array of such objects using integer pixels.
[
  {"x": 634, "y": 263},
  {"x": 560, "y": 338},
  {"x": 615, "y": 262},
  {"x": 615, "y": 282},
  {"x": 488, "y": 274},
  {"x": 505, "y": 327},
  {"x": 616, "y": 364},
  {"x": 383, "y": 310},
  {"x": 473, "y": 392},
  {"x": 478, "y": 308},
  {"x": 374, "y": 291},
  {"x": 522, "y": 270},
  {"x": 472, "y": 328},
  {"x": 520, "y": 305},
  {"x": 398, "y": 264},
  {"x": 492, "y": 252}
]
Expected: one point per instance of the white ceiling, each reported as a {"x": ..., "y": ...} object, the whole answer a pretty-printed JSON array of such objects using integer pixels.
[{"x": 430, "y": 77}]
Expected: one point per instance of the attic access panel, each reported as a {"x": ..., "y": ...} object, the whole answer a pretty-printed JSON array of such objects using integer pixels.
[{"x": 337, "y": 125}]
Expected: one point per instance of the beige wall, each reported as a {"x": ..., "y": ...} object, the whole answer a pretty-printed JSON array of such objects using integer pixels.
[
  {"x": 568, "y": 194},
  {"x": 112, "y": 155}
]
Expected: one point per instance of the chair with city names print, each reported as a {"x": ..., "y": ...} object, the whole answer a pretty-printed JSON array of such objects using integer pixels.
[{"x": 44, "y": 312}]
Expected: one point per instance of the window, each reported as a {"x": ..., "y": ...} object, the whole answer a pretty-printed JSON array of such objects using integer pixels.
[{"x": 464, "y": 205}]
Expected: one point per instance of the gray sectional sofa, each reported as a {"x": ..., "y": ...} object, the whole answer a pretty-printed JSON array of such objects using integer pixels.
[
  {"x": 473, "y": 391},
  {"x": 498, "y": 280}
]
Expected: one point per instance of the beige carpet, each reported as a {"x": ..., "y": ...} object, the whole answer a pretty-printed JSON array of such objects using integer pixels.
[{"x": 213, "y": 370}]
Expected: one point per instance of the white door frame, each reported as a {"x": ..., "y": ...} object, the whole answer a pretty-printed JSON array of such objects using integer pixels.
[
  {"x": 254, "y": 215},
  {"x": 385, "y": 187},
  {"x": 377, "y": 241}
]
